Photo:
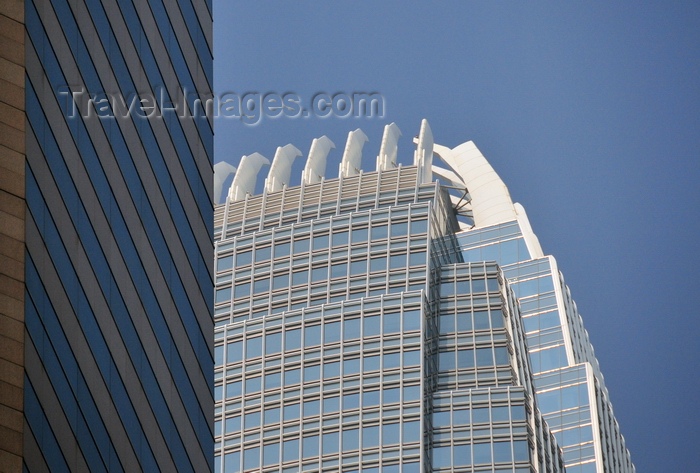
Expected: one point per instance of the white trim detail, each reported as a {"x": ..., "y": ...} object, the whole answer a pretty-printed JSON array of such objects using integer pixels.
[
  {"x": 222, "y": 170},
  {"x": 244, "y": 180},
  {"x": 315, "y": 168},
  {"x": 389, "y": 147},
  {"x": 281, "y": 169},
  {"x": 352, "y": 156}
]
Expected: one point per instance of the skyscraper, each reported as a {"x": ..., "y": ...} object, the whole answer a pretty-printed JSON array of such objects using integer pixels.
[
  {"x": 363, "y": 323},
  {"x": 106, "y": 236}
]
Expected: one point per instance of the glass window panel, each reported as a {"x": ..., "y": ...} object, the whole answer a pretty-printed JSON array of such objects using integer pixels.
[
  {"x": 446, "y": 361},
  {"x": 271, "y": 453},
  {"x": 411, "y": 393},
  {"x": 300, "y": 277},
  {"x": 461, "y": 417},
  {"x": 339, "y": 270},
  {"x": 411, "y": 320},
  {"x": 331, "y": 404},
  {"x": 497, "y": 319},
  {"x": 392, "y": 322},
  {"x": 292, "y": 339},
  {"x": 463, "y": 288},
  {"x": 232, "y": 425},
  {"x": 518, "y": 412},
  {"x": 464, "y": 322},
  {"x": 399, "y": 229},
  {"x": 358, "y": 267},
  {"x": 311, "y": 408},
  {"x": 253, "y": 385},
  {"x": 351, "y": 329},
  {"x": 272, "y": 415},
  {"x": 370, "y": 436},
  {"x": 319, "y": 274},
  {"x": 417, "y": 258},
  {"x": 223, "y": 295},
  {"x": 320, "y": 242},
  {"x": 392, "y": 360},
  {"x": 331, "y": 332},
  {"x": 312, "y": 335},
  {"x": 377, "y": 264},
  {"x": 397, "y": 261},
  {"x": 251, "y": 458},
  {"x": 273, "y": 343},
  {"x": 330, "y": 442},
  {"x": 484, "y": 357},
  {"x": 391, "y": 433},
  {"x": 262, "y": 254},
  {"x": 441, "y": 419},
  {"x": 447, "y": 323},
  {"x": 370, "y": 398},
  {"x": 391, "y": 395},
  {"x": 351, "y": 439},
  {"x": 442, "y": 457},
  {"x": 252, "y": 420},
  {"x": 419, "y": 226},
  {"x": 253, "y": 347},
  {"x": 234, "y": 389},
  {"x": 351, "y": 401},
  {"x": 273, "y": 380},
  {"x": 340, "y": 238},
  {"x": 372, "y": 326},
  {"x": 261, "y": 286},
  {"x": 480, "y": 415},
  {"x": 412, "y": 431},
  {"x": 478, "y": 285},
  {"x": 500, "y": 414},
  {"x": 282, "y": 249},
  {"x": 521, "y": 451},
  {"x": 232, "y": 462},
  {"x": 234, "y": 351},
  {"x": 463, "y": 455},
  {"x": 291, "y": 411},
  {"x": 502, "y": 356},
  {"x": 351, "y": 366},
  {"x": 481, "y": 320},
  {"x": 292, "y": 377},
  {"x": 359, "y": 235},
  {"x": 241, "y": 290},
  {"x": 301, "y": 246},
  {"x": 447, "y": 289},
  {"x": 411, "y": 358},
  {"x": 379, "y": 232},
  {"x": 280, "y": 281},
  {"x": 312, "y": 373},
  {"x": 244, "y": 258},
  {"x": 219, "y": 355},
  {"x": 331, "y": 370},
  {"x": 371, "y": 363},
  {"x": 482, "y": 453},
  {"x": 309, "y": 447},
  {"x": 290, "y": 450}
]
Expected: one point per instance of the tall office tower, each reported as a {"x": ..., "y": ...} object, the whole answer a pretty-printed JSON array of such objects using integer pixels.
[
  {"x": 352, "y": 335},
  {"x": 106, "y": 244}
]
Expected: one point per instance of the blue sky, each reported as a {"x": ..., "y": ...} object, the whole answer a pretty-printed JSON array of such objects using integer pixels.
[{"x": 589, "y": 111}]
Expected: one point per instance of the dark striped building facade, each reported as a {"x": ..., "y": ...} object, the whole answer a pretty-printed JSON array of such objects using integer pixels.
[{"x": 106, "y": 356}]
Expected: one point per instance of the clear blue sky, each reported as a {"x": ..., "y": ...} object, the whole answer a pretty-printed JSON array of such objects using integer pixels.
[{"x": 589, "y": 111}]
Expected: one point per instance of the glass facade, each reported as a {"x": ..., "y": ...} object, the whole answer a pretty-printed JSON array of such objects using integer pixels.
[
  {"x": 569, "y": 385},
  {"x": 350, "y": 336},
  {"x": 119, "y": 246}
]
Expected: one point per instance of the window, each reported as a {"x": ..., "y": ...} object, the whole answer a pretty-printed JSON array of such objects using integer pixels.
[
  {"x": 251, "y": 458},
  {"x": 253, "y": 347},
  {"x": 330, "y": 442}
]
